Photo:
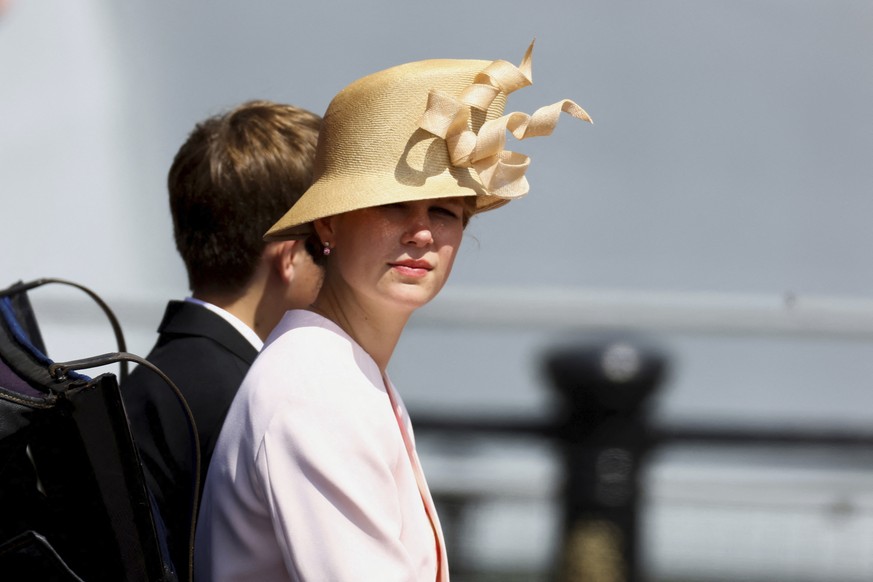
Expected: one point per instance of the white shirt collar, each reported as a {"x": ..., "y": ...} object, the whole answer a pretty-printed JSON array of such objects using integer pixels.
[{"x": 236, "y": 322}]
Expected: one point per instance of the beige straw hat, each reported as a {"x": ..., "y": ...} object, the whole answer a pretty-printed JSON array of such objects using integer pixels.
[{"x": 428, "y": 129}]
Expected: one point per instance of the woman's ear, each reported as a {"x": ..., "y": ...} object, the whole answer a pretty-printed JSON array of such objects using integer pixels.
[{"x": 324, "y": 228}]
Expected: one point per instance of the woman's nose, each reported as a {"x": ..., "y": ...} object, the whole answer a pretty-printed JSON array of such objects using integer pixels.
[{"x": 419, "y": 231}]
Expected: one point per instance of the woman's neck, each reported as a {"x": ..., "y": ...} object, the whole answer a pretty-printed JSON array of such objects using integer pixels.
[{"x": 375, "y": 330}]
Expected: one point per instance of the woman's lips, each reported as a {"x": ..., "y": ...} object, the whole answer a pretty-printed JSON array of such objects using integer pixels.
[{"x": 412, "y": 268}]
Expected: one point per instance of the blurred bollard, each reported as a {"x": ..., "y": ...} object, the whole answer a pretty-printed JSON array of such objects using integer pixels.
[{"x": 603, "y": 431}]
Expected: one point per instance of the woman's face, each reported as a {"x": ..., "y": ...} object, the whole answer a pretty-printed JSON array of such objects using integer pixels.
[{"x": 398, "y": 254}]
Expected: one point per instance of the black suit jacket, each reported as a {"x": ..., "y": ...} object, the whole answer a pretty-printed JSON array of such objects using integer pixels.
[{"x": 207, "y": 358}]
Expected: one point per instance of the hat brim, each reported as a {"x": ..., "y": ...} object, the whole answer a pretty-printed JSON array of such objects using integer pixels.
[{"x": 332, "y": 195}]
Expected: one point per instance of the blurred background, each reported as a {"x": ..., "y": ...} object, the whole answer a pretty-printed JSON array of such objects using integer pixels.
[{"x": 718, "y": 209}]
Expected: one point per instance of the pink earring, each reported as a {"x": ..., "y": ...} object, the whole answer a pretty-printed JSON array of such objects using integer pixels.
[{"x": 326, "y": 249}]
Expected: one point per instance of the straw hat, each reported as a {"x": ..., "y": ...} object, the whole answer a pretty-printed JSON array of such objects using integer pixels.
[{"x": 428, "y": 129}]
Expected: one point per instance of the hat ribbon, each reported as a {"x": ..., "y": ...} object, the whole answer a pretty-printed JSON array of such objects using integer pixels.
[{"x": 501, "y": 171}]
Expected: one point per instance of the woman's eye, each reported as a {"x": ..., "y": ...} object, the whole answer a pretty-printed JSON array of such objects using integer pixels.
[{"x": 447, "y": 211}]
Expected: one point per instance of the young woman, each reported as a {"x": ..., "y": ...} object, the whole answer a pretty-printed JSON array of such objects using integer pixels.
[{"x": 315, "y": 475}]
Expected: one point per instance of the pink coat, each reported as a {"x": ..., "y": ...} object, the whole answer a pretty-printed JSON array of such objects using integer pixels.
[{"x": 315, "y": 475}]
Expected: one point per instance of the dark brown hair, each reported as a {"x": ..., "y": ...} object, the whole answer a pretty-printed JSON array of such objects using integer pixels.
[{"x": 234, "y": 177}]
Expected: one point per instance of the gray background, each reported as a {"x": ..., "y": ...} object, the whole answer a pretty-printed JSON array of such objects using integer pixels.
[{"x": 731, "y": 156}]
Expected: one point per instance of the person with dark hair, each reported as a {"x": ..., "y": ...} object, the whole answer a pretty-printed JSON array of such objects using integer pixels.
[
  {"x": 315, "y": 475},
  {"x": 235, "y": 175}
]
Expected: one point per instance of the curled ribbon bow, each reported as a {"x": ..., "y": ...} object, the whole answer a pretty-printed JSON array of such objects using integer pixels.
[{"x": 501, "y": 171}]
